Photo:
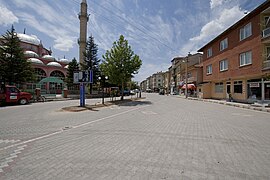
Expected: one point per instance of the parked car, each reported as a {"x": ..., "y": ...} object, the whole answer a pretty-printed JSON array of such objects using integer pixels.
[
  {"x": 11, "y": 94},
  {"x": 126, "y": 92},
  {"x": 134, "y": 91}
]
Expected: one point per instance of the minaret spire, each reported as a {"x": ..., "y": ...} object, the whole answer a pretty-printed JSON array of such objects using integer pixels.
[{"x": 83, "y": 16}]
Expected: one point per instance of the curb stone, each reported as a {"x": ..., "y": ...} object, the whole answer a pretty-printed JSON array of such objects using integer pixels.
[{"x": 244, "y": 106}]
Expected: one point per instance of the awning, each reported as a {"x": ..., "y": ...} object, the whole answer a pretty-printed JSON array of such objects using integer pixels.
[{"x": 190, "y": 86}]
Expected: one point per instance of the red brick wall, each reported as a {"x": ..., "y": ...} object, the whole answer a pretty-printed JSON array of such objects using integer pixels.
[{"x": 235, "y": 48}]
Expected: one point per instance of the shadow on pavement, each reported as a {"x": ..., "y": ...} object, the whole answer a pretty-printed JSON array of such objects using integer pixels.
[
  {"x": 135, "y": 103},
  {"x": 125, "y": 102}
]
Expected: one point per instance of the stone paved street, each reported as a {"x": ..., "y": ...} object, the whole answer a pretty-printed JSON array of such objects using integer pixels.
[{"x": 160, "y": 137}]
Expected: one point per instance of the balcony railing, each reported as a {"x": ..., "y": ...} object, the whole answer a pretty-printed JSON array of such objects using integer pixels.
[
  {"x": 266, "y": 64},
  {"x": 266, "y": 32}
]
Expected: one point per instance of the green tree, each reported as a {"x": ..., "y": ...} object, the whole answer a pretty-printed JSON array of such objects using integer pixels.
[
  {"x": 14, "y": 68},
  {"x": 91, "y": 60},
  {"x": 120, "y": 63},
  {"x": 134, "y": 85},
  {"x": 73, "y": 66}
]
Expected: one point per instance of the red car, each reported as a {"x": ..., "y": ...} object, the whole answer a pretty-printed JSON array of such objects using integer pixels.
[{"x": 11, "y": 94}]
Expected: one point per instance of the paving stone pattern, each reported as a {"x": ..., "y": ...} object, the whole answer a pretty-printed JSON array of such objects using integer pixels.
[{"x": 165, "y": 138}]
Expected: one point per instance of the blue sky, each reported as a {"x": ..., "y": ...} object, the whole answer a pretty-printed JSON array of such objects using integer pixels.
[{"x": 157, "y": 30}]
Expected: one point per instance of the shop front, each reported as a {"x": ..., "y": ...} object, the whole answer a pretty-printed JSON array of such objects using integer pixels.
[{"x": 258, "y": 90}]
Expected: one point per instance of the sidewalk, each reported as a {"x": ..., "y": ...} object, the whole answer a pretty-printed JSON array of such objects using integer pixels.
[{"x": 256, "y": 107}]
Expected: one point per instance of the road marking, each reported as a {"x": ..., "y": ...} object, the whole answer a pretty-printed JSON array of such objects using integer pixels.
[
  {"x": 149, "y": 112},
  {"x": 11, "y": 157},
  {"x": 6, "y": 141},
  {"x": 241, "y": 114},
  {"x": 74, "y": 127}
]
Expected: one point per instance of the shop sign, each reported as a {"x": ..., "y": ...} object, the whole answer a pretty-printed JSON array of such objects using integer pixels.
[{"x": 254, "y": 84}]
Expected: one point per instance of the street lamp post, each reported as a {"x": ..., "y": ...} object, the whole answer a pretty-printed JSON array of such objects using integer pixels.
[
  {"x": 186, "y": 72},
  {"x": 102, "y": 79}
]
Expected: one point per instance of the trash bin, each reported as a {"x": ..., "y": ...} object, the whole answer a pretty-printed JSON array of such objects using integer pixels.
[{"x": 65, "y": 93}]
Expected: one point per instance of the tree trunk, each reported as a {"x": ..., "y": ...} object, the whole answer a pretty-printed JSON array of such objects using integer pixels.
[
  {"x": 122, "y": 96},
  {"x": 91, "y": 88}
]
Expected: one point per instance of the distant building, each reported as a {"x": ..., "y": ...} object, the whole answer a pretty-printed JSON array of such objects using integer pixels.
[
  {"x": 182, "y": 66},
  {"x": 158, "y": 81},
  {"x": 143, "y": 85},
  {"x": 236, "y": 64}
]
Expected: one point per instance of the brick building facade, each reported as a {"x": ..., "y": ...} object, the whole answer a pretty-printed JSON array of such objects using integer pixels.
[{"x": 235, "y": 63}]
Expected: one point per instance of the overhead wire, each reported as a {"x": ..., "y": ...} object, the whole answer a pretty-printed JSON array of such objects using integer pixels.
[
  {"x": 118, "y": 25},
  {"x": 128, "y": 22}
]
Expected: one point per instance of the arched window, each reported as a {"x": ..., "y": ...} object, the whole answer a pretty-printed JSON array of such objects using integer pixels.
[
  {"x": 58, "y": 74},
  {"x": 40, "y": 74}
]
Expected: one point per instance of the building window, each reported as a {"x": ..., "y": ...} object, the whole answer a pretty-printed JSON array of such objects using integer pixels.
[
  {"x": 219, "y": 87},
  {"x": 238, "y": 87},
  {"x": 268, "y": 53},
  {"x": 223, "y": 65},
  {"x": 58, "y": 74},
  {"x": 209, "y": 52},
  {"x": 245, "y": 58},
  {"x": 245, "y": 32},
  {"x": 224, "y": 44},
  {"x": 40, "y": 74},
  {"x": 267, "y": 21},
  {"x": 209, "y": 69}
]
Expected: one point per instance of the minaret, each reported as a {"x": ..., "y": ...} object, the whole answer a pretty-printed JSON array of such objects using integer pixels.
[{"x": 83, "y": 16}]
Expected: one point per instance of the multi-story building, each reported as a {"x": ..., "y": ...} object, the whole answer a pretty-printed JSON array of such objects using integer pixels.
[
  {"x": 236, "y": 63},
  {"x": 190, "y": 66},
  {"x": 143, "y": 85},
  {"x": 182, "y": 66},
  {"x": 166, "y": 82},
  {"x": 174, "y": 74},
  {"x": 158, "y": 81},
  {"x": 149, "y": 84}
]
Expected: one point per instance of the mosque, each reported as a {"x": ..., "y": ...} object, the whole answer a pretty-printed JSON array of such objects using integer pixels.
[{"x": 51, "y": 72}]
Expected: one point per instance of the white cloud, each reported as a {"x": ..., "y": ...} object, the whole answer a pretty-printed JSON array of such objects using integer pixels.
[
  {"x": 215, "y": 3},
  {"x": 63, "y": 43},
  {"x": 50, "y": 21},
  {"x": 7, "y": 17},
  {"x": 62, "y": 38},
  {"x": 216, "y": 26}
]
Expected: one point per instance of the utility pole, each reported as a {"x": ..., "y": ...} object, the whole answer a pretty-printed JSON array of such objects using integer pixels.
[{"x": 186, "y": 89}]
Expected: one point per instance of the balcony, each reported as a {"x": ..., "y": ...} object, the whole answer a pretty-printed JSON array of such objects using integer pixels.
[
  {"x": 266, "y": 65},
  {"x": 192, "y": 79}
]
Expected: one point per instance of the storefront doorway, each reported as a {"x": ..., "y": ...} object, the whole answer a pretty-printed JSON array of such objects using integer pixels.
[
  {"x": 228, "y": 90},
  {"x": 267, "y": 90}
]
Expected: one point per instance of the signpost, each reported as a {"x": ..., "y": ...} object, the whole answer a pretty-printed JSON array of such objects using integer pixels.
[{"x": 83, "y": 77}]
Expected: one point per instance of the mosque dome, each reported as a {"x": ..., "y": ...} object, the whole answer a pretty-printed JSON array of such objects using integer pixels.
[
  {"x": 64, "y": 61},
  {"x": 35, "y": 61},
  {"x": 48, "y": 57},
  {"x": 29, "y": 39},
  {"x": 56, "y": 64},
  {"x": 30, "y": 54}
]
